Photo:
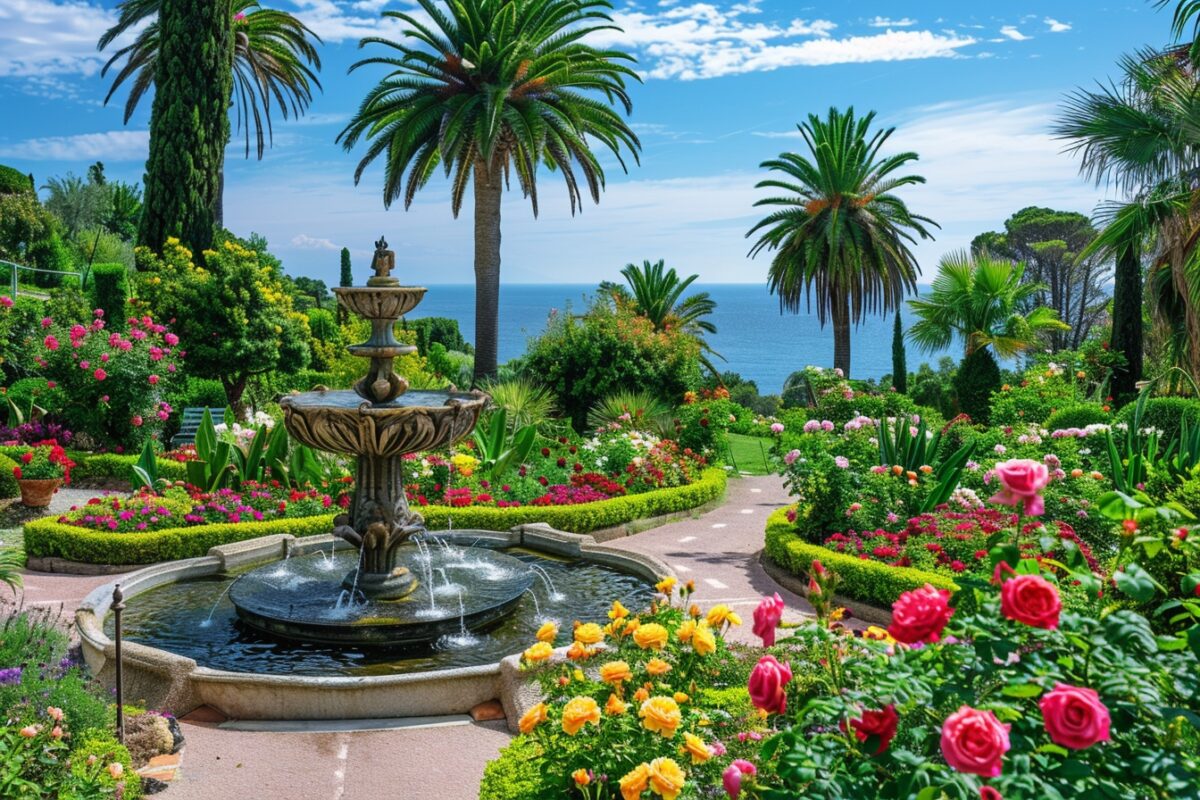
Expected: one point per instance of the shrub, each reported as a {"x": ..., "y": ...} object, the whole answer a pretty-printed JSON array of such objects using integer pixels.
[
  {"x": 13, "y": 181},
  {"x": 437, "y": 330},
  {"x": 582, "y": 357},
  {"x": 1077, "y": 415},
  {"x": 1165, "y": 413},
  {"x": 50, "y": 254},
  {"x": 29, "y": 392},
  {"x": 977, "y": 378},
  {"x": 8, "y": 482},
  {"x": 196, "y": 392},
  {"x": 105, "y": 747},
  {"x": 639, "y": 410},
  {"x": 516, "y": 774},
  {"x": 110, "y": 292}
]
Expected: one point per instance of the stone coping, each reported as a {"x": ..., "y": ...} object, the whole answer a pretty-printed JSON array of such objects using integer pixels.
[{"x": 163, "y": 680}]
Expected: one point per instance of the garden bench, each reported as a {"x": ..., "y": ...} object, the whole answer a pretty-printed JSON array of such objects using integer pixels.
[{"x": 190, "y": 422}]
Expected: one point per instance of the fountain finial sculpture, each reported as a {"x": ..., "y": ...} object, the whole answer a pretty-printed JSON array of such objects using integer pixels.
[{"x": 380, "y": 422}]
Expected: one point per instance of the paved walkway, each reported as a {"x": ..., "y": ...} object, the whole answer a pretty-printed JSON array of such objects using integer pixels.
[{"x": 718, "y": 551}]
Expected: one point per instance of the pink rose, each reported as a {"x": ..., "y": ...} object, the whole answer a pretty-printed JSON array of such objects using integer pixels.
[
  {"x": 767, "y": 617},
  {"x": 920, "y": 615},
  {"x": 1030, "y": 599},
  {"x": 153, "y": 379},
  {"x": 989, "y": 793},
  {"x": 99, "y": 374},
  {"x": 137, "y": 421},
  {"x": 768, "y": 685},
  {"x": 1075, "y": 717},
  {"x": 731, "y": 778},
  {"x": 974, "y": 741},
  {"x": 1022, "y": 481},
  {"x": 50, "y": 342},
  {"x": 880, "y": 724},
  {"x": 6, "y": 301}
]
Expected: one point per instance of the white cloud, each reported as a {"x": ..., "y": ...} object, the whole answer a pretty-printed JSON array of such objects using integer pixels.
[
  {"x": 884, "y": 22},
  {"x": 1012, "y": 33},
  {"x": 108, "y": 146},
  {"x": 306, "y": 242},
  {"x": 43, "y": 37},
  {"x": 1055, "y": 26}
]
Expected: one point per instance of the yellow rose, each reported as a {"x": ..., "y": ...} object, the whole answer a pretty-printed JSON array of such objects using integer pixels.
[
  {"x": 635, "y": 782},
  {"x": 618, "y": 611},
  {"x": 539, "y": 652},
  {"x": 660, "y": 715},
  {"x": 651, "y": 636},
  {"x": 579, "y": 712},
  {"x": 703, "y": 640},
  {"x": 694, "y": 746},
  {"x": 685, "y": 630},
  {"x": 666, "y": 585},
  {"x": 547, "y": 633},
  {"x": 615, "y": 672},
  {"x": 589, "y": 633},
  {"x": 681, "y": 697},
  {"x": 615, "y": 706},
  {"x": 656, "y": 666},
  {"x": 577, "y": 652},
  {"x": 878, "y": 633},
  {"x": 666, "y": 778},
  {"x": 532, "y": 718},
  {"x": 632, "y": 625},
  {"x": 718, "y": 615},
  {"x": 641, "y": 695},
  {"x": 582, "y": 777}
]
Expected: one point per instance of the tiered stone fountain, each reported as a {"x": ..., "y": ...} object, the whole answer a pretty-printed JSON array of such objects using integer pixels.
[{"x": 380, "y": 421}]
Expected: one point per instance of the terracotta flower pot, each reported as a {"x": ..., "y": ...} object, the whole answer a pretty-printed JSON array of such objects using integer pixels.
[{"x": 37, "y": 493}]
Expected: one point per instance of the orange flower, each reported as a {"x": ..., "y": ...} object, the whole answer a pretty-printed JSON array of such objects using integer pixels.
[
  {"x": 632, "y": 625},
  {"x": 681, "y": 697},
  {"x": 656, "y": 666},
  {"x": 116, "y": 770},
  {"x": 641, "y": 695},
  {"x": 577, "y": 652},
  {"x": 532, "y": 718},
  {"x": 636, "y": 781},
  {"x": 615, "y": 706},
  {"x": 579, "y": 711},
  {"x": 547, "y": 633},
  {"x": 29, "y": 731},
  {"x": 539, "y": 651},
  {"x": 926, "y": 468},
  {"x": 1077, "y": 473},
  {"x": 615, "y": 672},
  {"x": 651, "y": 636},
  {"x": 582, "y": 777},
  {"x": 660, "y": 715},
  {"x": 703, "y": 640},
  {"x": 897, "y": 469},
  {"x": 666, "y": 585},
  {"x": 694, "y": 611},
  {"x": 685, "y": 630},
  {"x": 694, "y": 746},
  {"x": 589, "y": 633},
  {"x": 666, "y": 778},
  {"x": 618, "y": 611}
]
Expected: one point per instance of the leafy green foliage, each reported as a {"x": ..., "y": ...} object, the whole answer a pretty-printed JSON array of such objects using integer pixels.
[
  {"x": 1165, "y": 414},
  {"x": 978, "y": 377},
  {"x": 516, "y": 774},
  {"x": 525, "y": 401},
  {"x": 13, "y": 181},
  {"x": 638, "y": 410},
  {"x": 110, "y": 293},
  {"x": 498, "y": 448},
  {"x": 1077, "y": 415},
  {"x": 437, "y": 330},
  {"x": 899, "y": 359}
]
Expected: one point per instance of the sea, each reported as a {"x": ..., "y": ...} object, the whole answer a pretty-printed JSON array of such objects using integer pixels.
[{"x": 755, "y": 339}]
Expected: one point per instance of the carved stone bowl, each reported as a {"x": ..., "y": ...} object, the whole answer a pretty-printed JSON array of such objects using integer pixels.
[
  {"x": 380, "y": 302},
  {"x": 342, "y": 422}
]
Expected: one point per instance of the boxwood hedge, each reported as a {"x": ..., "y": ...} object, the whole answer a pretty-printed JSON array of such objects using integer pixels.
[
  {"x": 869, "y": 581},
  {"x": 48, "y": 538}
]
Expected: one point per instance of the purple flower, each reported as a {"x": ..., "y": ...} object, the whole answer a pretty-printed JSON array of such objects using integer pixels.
[{"x": 10, "y": 676}]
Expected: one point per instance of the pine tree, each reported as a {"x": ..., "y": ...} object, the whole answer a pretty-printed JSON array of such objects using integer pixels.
[
  {"x": 189, "y": 123},
  {"x": 347, "y": 274},
  {"x": 899, "y": 360}
]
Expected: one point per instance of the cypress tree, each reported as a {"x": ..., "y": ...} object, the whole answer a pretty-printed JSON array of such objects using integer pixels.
[
  {"x": 899, "y": 361},
  {"x": 1127, "y": 321},
  {"x": 189, "y": 123},
  {"x": 347, "y": 274}
]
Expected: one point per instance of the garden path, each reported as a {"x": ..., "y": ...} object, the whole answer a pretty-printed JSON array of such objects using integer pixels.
[{"x": 718, "y": 550}]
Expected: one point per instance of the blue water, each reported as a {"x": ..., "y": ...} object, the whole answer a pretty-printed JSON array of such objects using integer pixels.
[{"x": 756, "y": 340}]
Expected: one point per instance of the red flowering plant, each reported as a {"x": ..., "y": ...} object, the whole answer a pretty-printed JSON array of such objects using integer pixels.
[
  {"x": 45, "y": 461},
  {"x": 995, "y": 692},
  {"x": 113, "y": 383}
]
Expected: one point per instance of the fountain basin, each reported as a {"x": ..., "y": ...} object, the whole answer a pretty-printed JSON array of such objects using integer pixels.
[
  {"x": 340, "y": 421},
  {"x": 178, "y": 679},
  {"x": 380, "y": 302},
  {"x": 294, "y": 599}
]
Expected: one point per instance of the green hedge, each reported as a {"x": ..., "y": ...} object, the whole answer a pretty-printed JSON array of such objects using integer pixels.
[
  {"x": 110, "y": 291},
  {"x": 46, "y": 537},
  {"x": 8, "y": 481},
  {"x": 97, "y": 467},
  {"x": 517, "y": 773},
  {"x": 869, "y": 581}
]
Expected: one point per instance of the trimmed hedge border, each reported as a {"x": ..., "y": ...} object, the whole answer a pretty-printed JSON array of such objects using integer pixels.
[
  {"x": 49, "y": 538},
  {"x": 100, "y": 467},
  {"x": 868, "y": 581}
]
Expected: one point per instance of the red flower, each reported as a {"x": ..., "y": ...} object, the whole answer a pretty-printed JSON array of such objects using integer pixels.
[
  {"x": 27, "y": 456},
  {"x": 17, "y": 473},
  {"x": 920, "y": 615},
  {"x": 768, "y": 685},
  {"x": 975, "y": 742},
  {"x": 1075, "y": 717},
  {"x": 988, "y": 793},
  {"x": 1030, "y": 599},
  {"x": 881, "y": 723},
  {"x": 99, "y": 374}
]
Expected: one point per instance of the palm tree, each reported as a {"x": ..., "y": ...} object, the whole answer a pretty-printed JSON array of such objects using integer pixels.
[
  {"x": 486, "y": 89},
  {"x": 273, "y": 61},
  {"x": 1142, "y": 136},
  {"x": 657, "y": 295},
  {"x": 979, "y": 300},
  {"x": 840, "y": 232}
]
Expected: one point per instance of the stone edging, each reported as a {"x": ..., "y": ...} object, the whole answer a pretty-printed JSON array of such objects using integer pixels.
[
  {"x": 164, "y": 680},
  {"x": 793, "y": 583}
]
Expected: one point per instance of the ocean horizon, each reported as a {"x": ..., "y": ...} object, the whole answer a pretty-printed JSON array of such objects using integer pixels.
[{"x": 756, "y": 341}]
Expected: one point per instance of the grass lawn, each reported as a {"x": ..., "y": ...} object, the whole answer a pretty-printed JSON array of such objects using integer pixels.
[{"x": 749, "y": 454}]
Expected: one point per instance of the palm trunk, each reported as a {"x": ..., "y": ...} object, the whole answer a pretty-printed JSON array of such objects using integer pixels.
[
  {"x": 488, "y": 189},
  {"x": 840, "y": 311},
  {"x": 1127, "y": 320}
]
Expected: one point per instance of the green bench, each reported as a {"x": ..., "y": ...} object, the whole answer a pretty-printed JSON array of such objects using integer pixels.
[{"x": 191, "y": 422}]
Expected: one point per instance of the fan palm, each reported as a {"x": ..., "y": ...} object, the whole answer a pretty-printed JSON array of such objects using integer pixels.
[
  {"x": 274, "y": 61},
  {"x": 840, "y": 233},
  {"x": 486, "y": 89},
  {"x": 979, "y": 300}
]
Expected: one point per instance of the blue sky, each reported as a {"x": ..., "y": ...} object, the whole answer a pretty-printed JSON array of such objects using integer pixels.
[{"x": 971, "y": 86}]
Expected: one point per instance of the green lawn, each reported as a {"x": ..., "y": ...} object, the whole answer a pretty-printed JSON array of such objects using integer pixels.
[{"x": 749, "y": 454}]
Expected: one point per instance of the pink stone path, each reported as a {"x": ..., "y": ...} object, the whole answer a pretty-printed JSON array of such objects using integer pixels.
[{"x": 718, "y": 550}]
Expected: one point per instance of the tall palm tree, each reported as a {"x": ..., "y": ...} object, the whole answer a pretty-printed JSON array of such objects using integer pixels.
[
  {"x": 840, "y": 233},
  {"x": 1142, "y": 136},
  {"x": 978, "y": 300},
  {"x": 274, "y": 60},
  {"x": 656, "y": 293},
  {"x": 485, "y": 89}
]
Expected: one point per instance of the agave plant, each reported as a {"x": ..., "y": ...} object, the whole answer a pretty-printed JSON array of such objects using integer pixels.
[
  {"x": 498, "y": 449},
  {"x": 911, "y": 449},
  {"x": 525, "y": 401},
  {"x": 12, "y": 561},
  {"x": 640, "y": 410}
]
